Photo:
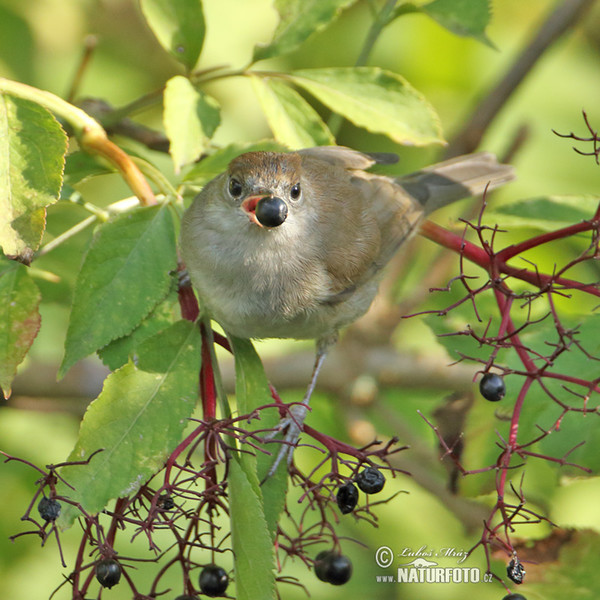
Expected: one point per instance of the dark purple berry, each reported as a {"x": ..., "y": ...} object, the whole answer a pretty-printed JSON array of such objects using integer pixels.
[
  {"x": 165, "y": 502},
  {"x": 492, "y": 387},
  {"x": 332, "y": 567},
  {"x": 347, "y": 498},
  {"x": 184, "y": 597},
  {"x": 515, "y": 571},
  {"x": 370, "y": 480},
  {"x": 49, "y": 509},
  {"x": 271, "y": 211},
  {"x": 108, "y": 572},
  {"x": 213, "y": 581},
  {"x": 514, "y": 597}
]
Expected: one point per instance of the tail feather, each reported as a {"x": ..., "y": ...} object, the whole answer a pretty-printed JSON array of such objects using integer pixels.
[{"x": 451, "y": 180}]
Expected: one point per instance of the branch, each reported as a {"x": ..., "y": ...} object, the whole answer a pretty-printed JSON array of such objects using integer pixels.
[{"x": 564, "y": 17}]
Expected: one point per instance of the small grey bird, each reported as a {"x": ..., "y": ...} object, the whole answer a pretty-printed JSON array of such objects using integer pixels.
[{"x": 292, "y": 245}]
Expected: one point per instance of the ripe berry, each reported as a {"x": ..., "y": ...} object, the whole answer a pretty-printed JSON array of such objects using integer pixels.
[
  {"x": 271, "y": 211},
  {"x": 370, "y": 480},
  {"x": 213, "y": 581},
  {"x": 108, "y": 572},
  {"x": 165, "y": 502},
  {"x": 347, "y": 497},
  {"x": 184, "y": 597},
  {"x": 332, "y": 567},
  {"x": 515, "y": 571},
  {"x": 49, "y": 509},
  {"x": 492, "y": 387},
  {"x": 514, "y": 597}
]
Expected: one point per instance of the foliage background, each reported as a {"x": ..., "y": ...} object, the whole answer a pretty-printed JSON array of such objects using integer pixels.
[{"x": 41, "y": 44}]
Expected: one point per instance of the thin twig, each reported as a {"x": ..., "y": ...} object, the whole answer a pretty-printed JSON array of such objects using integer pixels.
[{"x": 564, "y": 17}]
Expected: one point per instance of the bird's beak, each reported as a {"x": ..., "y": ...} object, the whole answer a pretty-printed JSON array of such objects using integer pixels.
[{"x": 249, "y": 207}]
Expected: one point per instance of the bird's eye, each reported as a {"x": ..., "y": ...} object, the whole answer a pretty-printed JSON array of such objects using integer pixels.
[
  {"x": 235, "y": 188},
  {"x": 295, "y": 192}
]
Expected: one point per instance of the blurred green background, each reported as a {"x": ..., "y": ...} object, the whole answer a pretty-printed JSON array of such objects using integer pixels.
[{"x": 41, "y": 43}]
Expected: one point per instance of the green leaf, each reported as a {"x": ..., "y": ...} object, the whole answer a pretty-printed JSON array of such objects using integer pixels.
[
  {"x": 545, "y": 213},
  {"x": 572, "y": 565},
  {"x": 540, "y": 410},
  {"x": 80, "y": 166},
  {"x": 467, "y": 18},
  {"x": 293, "y": 121},
  {"x": 251, "y": 391},
  {"x": 214, "y": 164},
  {"x": 19, "y": 319},
  {"x": 252, "y": 545},
  {"x": 299, "y": 19},
  {"x": 123, "y": 277},
  {"x": 32, "y": 149},
  {"x": 179, "y": 27},
  {"x": 191, "y": 118},
  {"x": 118, "y": 352},
  {"x": 378, "y": 100},
  {"x": 137, "y": 420}
]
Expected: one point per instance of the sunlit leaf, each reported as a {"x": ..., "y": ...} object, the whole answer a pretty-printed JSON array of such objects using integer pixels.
[
  {"x": 378, "y": 100},
  {"x": 191, "y": 118},
  {"x": 137, "y": 420},
  {"x": 467, "y": 18},
  {"x": 299, "y": 19},
  {"x": 32, "y": 149},
  {"x": 293, "y": 121},
  {"x": 179, "y": 27}
]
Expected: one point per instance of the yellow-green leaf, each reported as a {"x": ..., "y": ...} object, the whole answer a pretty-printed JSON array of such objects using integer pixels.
[
  {"x": 293, "y": 121},
  {"x": 191, "y": 118},
  {"x": 467, "y": 18},
  {"x": 179, "y": 27},
  {"x": 19, "y": 319},
  {"x": 378, "y": 100},
  {"x": 298, "y": 20},
  {"x": 32, "y": 151},
  {"x": 254, "y": 561},
  {"x": 138, "y": 418}
]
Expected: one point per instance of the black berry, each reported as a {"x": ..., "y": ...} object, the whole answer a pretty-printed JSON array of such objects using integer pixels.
[
  {"x": 347, "y": 498},
  {"x": 332, "y": 567},
  {"x": 165, "y": 502},
  {"x": 184, "y": 597},
  {"x": 515, "y": 571},
  {"x": 108, "y": 572},
  {"x": 49, "y": 509},
  {"x": 213, "y": 581},
  {"x": 492, "y": 387},
  {"x": 370, "y": 480},
  {"x": 271, "y": 211},
  {"x": 514, "y": 597}
]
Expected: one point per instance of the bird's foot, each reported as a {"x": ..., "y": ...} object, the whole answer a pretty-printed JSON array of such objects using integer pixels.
[{"x": 292, "y": 427}]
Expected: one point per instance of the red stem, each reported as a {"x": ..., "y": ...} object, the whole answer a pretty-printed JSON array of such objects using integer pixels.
[
  {"x": 480, "y": 257},
  {"x": 544, "y": 238}
]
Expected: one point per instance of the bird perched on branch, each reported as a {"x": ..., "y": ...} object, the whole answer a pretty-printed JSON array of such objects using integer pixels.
[{"x": 292, "y": 245}]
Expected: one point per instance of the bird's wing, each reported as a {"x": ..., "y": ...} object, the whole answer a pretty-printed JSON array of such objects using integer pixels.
[{"x": 347, "y": 158}]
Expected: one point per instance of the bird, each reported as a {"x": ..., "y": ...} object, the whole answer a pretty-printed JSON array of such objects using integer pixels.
[{"x": 294, "y": 244}]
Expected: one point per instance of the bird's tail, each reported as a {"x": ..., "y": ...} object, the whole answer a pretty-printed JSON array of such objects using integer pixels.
[{"x": 451, "y": 180}]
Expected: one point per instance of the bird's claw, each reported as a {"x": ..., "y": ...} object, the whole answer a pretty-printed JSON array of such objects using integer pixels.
[{"x": 292, "y": 425}]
